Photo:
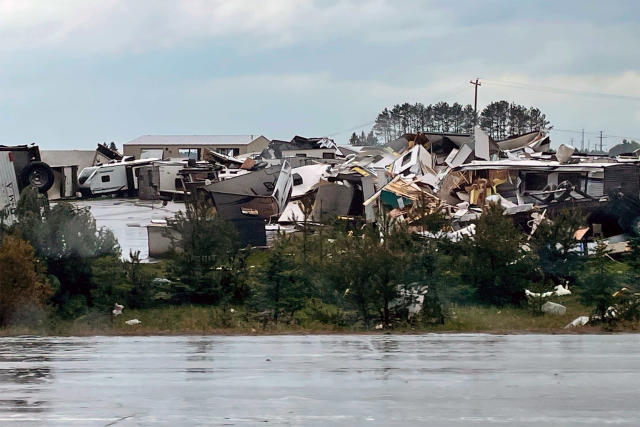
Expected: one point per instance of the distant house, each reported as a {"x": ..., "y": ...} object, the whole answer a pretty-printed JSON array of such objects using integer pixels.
[{"x": 192, "y": 146}]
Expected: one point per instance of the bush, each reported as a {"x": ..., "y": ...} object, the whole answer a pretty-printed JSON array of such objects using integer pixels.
[
  {"x": 23, "y": 287},
  {"x": 316, "y": 312}
]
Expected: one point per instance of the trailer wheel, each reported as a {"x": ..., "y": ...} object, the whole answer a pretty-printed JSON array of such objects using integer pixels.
[
  {"x": 548, "y": 197},
  {"x": 567, "y": 187},
  {"x": 38, "y": 175}
]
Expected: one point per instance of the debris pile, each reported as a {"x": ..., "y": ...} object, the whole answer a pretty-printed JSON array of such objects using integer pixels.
[{"x": 313, "y": 181}]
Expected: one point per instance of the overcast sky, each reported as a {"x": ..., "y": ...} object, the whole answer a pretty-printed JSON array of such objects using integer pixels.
[{"x": 74, "y": 73}]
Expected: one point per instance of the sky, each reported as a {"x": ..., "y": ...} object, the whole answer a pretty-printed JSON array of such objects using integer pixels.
[{"x": 74, "y": 73}]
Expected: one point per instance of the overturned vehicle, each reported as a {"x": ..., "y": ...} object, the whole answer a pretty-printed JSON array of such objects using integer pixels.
[
  {"x": 249, "y": 200},
  {"x": 29, "y": 168}
]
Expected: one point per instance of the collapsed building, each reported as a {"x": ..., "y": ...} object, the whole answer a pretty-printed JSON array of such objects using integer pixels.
[
  {"x": 307, "y": 181},
  {"x": 459, "y": 174}
]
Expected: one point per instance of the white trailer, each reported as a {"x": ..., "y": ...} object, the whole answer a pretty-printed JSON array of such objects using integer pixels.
[
  {"x": 111, "y": 178},
  {"x": 9, "y": 193}
]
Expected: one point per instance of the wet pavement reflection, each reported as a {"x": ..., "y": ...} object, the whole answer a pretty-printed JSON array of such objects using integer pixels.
[{"x": 443, "y": 380}]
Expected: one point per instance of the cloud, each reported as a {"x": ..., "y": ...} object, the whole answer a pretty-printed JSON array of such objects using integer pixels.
[
  {"x": 328, "y": 104},
  {"x": 122, "y": 25},
  {"x": 81, "y": 70}
]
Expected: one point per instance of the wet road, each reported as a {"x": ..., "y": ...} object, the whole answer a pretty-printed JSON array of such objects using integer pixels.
[{"x": 444, "y": 380}]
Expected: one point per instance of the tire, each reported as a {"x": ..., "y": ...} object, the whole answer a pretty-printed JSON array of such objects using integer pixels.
[
  {"x": 567, "y": 187},
  {"x": 548, "y": 197},
  {"x": 38, "y": 175}
]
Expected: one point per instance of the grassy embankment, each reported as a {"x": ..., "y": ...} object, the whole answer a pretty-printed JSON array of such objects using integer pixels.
[{"x": 215, "y": 320}]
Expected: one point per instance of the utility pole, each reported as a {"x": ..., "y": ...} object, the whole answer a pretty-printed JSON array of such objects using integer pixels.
[
  {"x": 582, "y": 143},
  {"x": 601, "y": 141},
  {"x": 475, "y": 98}
]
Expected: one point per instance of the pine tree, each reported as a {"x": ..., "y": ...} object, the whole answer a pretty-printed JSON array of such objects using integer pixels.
[
  {"x": 203, "y": 255},
  {"x": 496, "y": 265},
  {"x": 599, "y": 282},
  {"x": 67, "y": 239},
  {"x": 282, "y": 287},
  {"x": 553, "y": 243}
]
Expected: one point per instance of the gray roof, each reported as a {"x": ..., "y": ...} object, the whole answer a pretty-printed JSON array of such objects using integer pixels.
[{"x": 193, "y": 140}]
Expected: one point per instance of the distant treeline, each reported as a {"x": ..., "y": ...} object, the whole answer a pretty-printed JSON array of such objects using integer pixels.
[{"x": 500, "y": 119}]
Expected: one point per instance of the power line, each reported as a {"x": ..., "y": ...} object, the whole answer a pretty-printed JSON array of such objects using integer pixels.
[
  {"x": 540, "y": 88},
  {"x": 578, "y": 131}
]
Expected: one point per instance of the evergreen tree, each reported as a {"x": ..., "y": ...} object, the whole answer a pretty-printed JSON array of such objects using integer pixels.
[
  {"x": 371, "y": 139},
  {"x": 502, "y": 119},
  {"x": 553, "y": 243},
  {"x": 496, "y": 265},
  {"x": 599, "y": 282},
  {"x": 205, "y": 250},
  {"x": 369, "y": 268},
  {"x": 283, "y": 287},
  {"x": 67, "y": 238}
]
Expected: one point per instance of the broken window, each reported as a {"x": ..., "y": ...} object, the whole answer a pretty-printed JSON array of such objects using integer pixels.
[
  {"x": 189, "y": 153},
  {"x": 151, "y": 153},
  {"x": 297, "y": 179},
  {"x": 574, "y": 178},
  {"x": 535, "y": 181},
  {"x": 406, "y": 159}
]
